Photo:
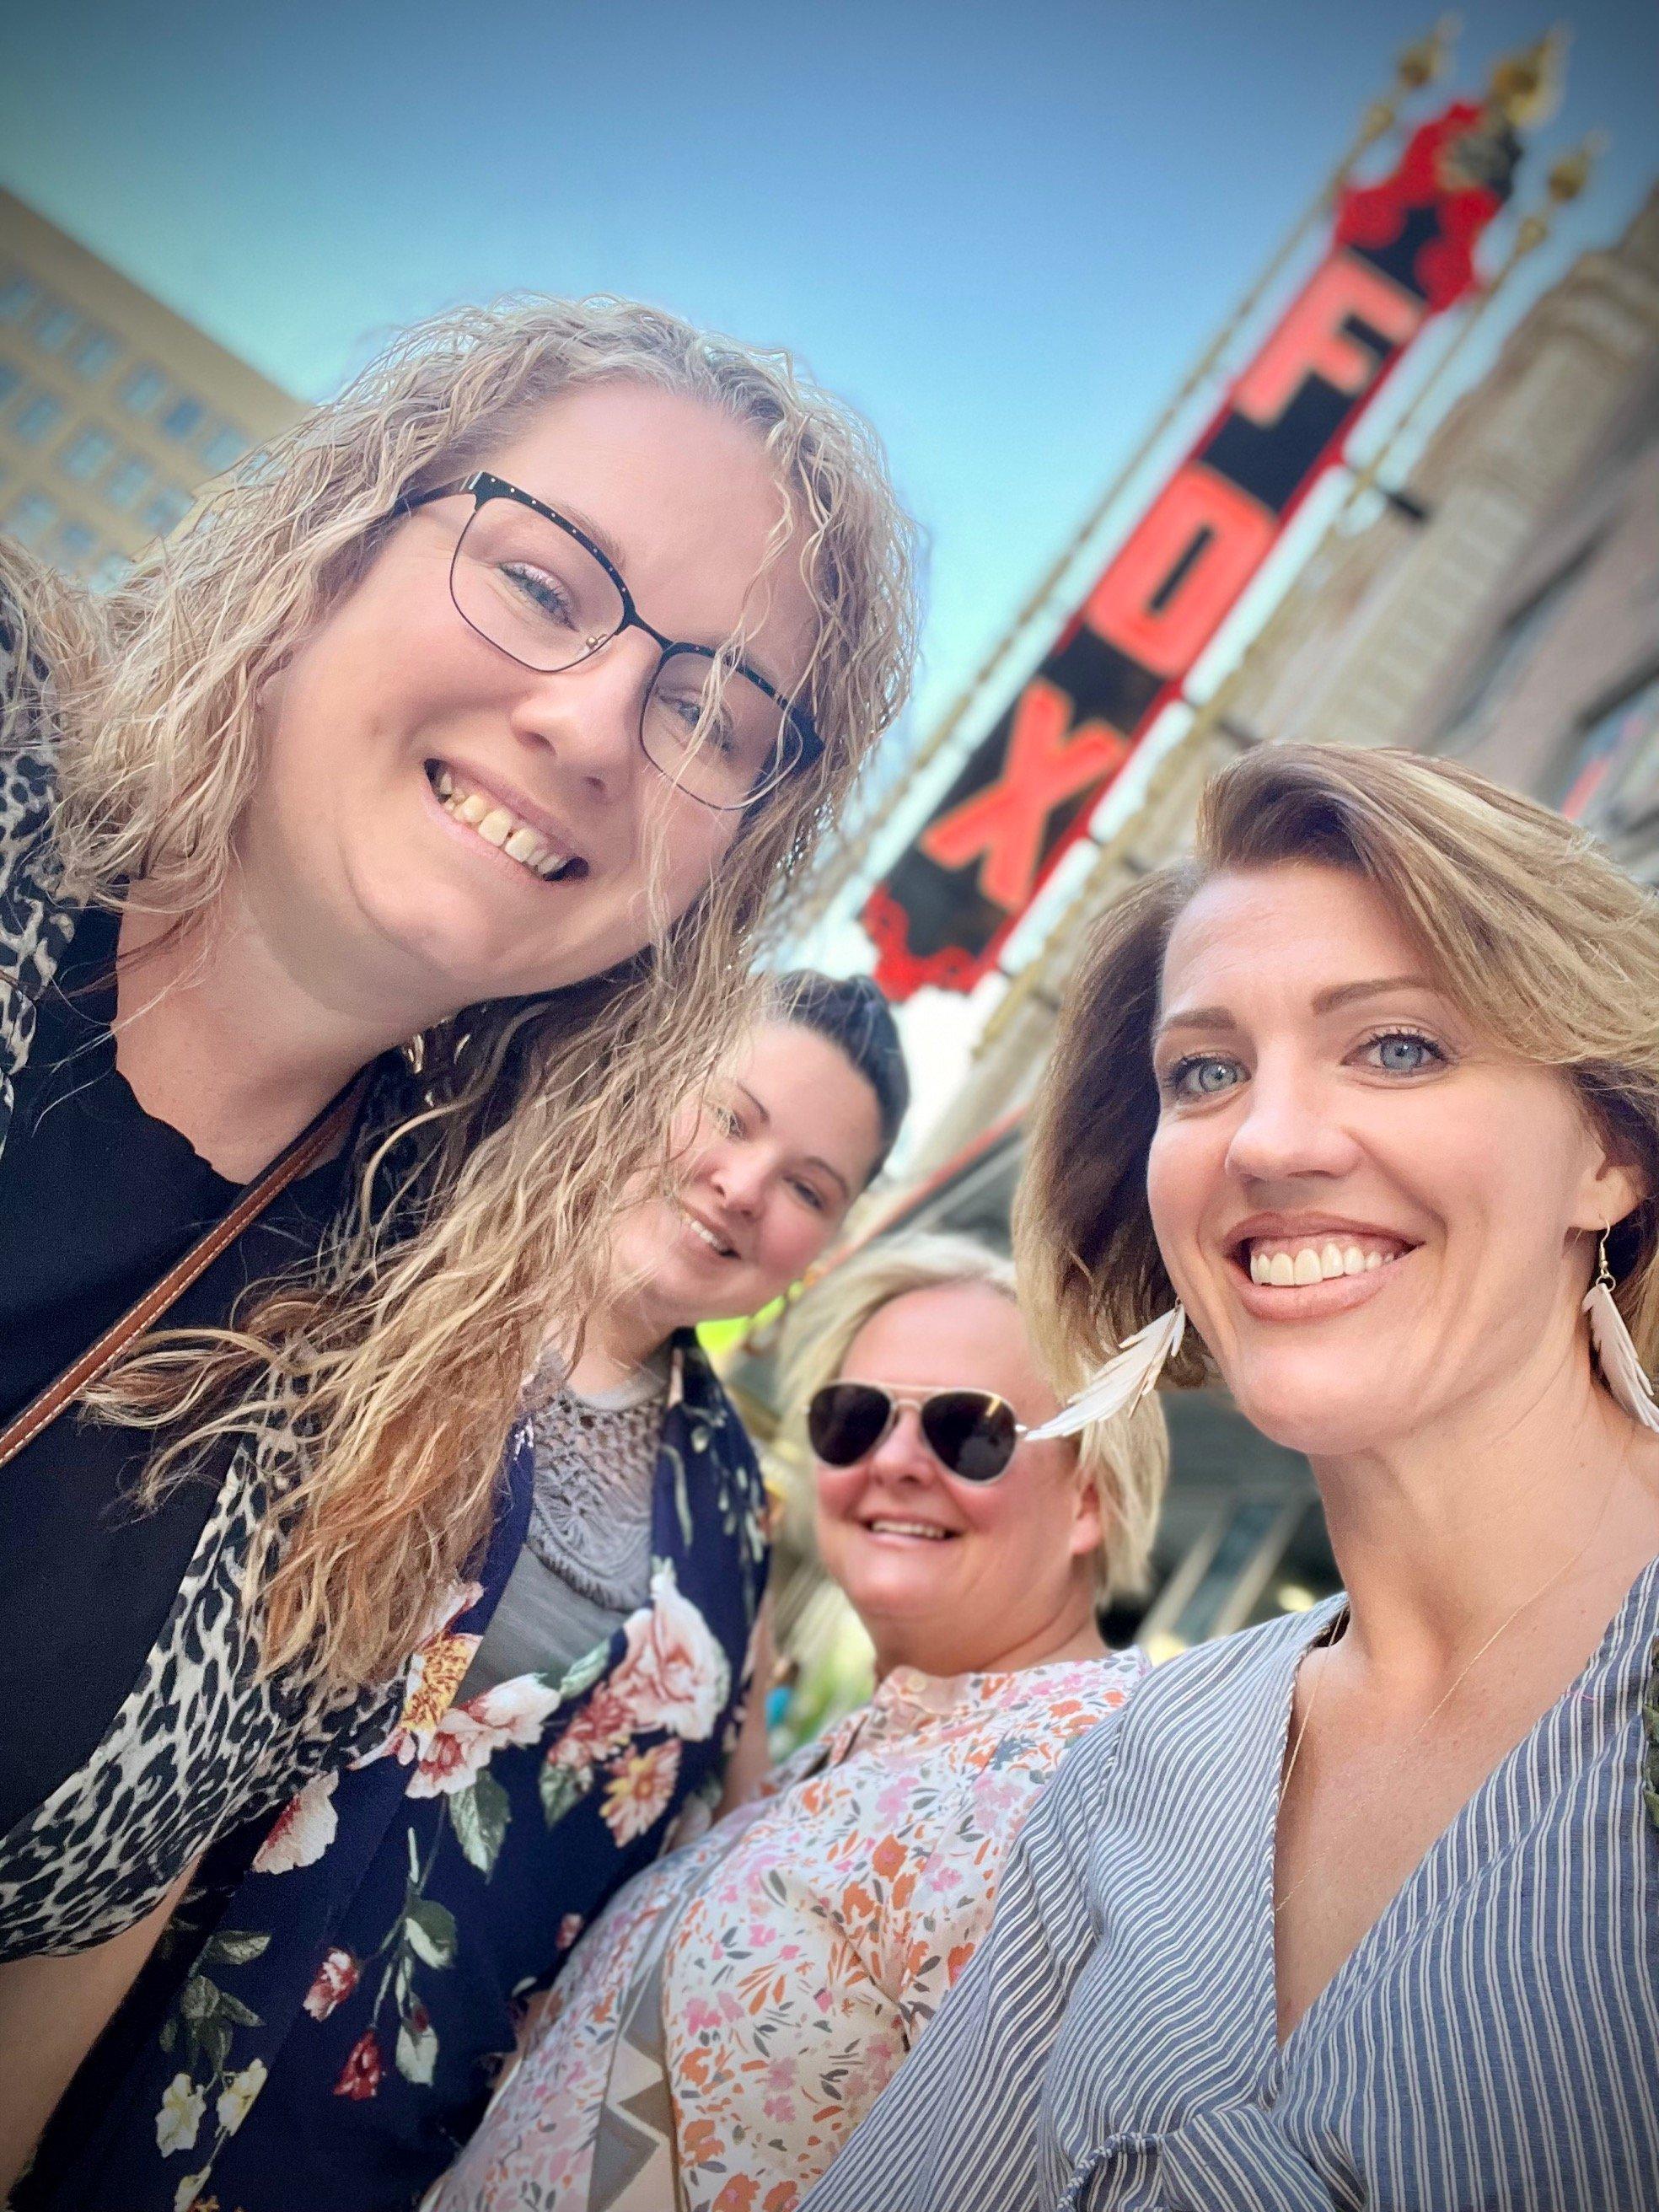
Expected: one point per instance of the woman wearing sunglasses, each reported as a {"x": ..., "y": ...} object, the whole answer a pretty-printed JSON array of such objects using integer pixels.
[
  {"x": 724, "y": 2028},
  {"x": 375, "y": 868}
]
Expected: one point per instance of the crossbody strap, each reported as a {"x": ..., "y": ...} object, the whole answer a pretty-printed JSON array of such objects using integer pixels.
[{"x": 309, "y": 1149}]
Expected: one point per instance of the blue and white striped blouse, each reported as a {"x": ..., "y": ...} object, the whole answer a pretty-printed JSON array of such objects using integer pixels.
[{"x": 1492, "y": 2046}]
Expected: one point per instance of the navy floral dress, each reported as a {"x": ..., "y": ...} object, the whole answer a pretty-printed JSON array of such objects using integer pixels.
[{"x": 327, "y": 2031}]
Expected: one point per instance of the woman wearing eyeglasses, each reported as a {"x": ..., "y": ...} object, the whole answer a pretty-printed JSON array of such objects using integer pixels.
[
  {"x": 724, "y": 2028},
  {"x": 374, "y": 871}
]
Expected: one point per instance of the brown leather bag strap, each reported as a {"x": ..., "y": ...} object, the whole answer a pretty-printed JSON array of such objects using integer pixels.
[{"x": 309, "y": 1149}]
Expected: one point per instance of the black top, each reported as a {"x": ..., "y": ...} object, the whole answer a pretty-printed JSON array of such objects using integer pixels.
[{"x": 97, "y": 1200}]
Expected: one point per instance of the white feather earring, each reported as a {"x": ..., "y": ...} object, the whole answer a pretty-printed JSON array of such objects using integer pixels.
[
  {"x": 1126, "y": 1379},
  {"x": 1621, "y": 1370}
]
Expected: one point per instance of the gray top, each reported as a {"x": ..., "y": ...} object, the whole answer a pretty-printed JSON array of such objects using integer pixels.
[
  {"x": 585, "y": 1564},
  {"x": 1492, "y": 2043}
]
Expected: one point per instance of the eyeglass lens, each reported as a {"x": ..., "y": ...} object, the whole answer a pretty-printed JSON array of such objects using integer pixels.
[
  {"x": 535, "y": 592},
  {"x": 971, "y": 1433}
]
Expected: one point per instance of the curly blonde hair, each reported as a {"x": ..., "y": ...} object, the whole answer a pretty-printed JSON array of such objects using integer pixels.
[
  {"x": 1522, "y": 920},
  {"x": 1125, "y": 1462},
  {"x": 477, "y": 1211}
]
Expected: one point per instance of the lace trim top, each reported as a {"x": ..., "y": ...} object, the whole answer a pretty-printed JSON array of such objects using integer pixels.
[{"x": 590, "y": 1523}]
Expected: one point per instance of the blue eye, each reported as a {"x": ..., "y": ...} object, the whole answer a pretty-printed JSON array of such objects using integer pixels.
[
  {"x": 1403, "y": 1052},
  {"x": 1200, "y": 1075}
]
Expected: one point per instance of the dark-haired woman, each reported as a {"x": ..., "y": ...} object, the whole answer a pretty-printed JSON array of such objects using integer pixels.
[{"x": 355, "y": 1992}]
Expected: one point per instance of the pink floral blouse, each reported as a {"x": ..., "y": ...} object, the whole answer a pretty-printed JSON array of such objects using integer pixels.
[{"x": 725, "y": 2025}]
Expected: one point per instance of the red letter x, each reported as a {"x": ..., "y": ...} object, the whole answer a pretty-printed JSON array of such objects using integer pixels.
[{"x": 1049, "y": 762}]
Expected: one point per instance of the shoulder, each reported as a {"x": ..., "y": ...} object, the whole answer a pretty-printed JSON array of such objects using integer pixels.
[{"x": 1237, "y": 1667}]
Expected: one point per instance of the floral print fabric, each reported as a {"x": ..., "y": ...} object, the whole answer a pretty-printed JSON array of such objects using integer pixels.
[
  {"x": 331, "y": 2034},
  {"x": 738, "y": 2009}
]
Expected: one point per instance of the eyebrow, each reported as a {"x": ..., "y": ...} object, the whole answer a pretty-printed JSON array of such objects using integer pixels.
[
  {"x": 812, "y": 1160},
  {"x": 1324, "y": 1002},
  {"x": 600, "y": 536}
]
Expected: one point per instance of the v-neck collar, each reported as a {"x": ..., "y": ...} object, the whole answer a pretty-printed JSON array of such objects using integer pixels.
[{"x": 1281, "y": 2057}]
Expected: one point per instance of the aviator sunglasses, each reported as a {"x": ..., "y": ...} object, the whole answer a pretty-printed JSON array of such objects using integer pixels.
[{"x": 973, "y": 1434}]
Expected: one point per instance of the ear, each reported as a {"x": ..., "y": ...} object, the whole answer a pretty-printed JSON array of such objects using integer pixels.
[
  {"x": 1611, "y": 1189},
  {"x": 1087, "y": 1523}
]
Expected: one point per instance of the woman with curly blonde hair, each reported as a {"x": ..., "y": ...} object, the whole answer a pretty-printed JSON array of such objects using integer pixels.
[{"x": 408, "y": 824}]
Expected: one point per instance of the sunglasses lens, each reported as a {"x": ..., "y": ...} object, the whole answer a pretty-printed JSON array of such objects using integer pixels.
[
  {"x": 844, "y": 1421},
  {"x": 973, "y": 1434}
]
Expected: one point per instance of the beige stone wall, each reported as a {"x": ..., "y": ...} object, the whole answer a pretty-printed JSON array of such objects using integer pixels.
[{"x": 114, "y": 412}]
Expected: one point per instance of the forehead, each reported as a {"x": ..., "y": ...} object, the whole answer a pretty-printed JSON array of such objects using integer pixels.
[
  {"x": 686, "y": 499},
  {"x": 815, "y": 1100},
  {"x": 1287, "y": 931},
  {"x": 960, "y": 1333}
]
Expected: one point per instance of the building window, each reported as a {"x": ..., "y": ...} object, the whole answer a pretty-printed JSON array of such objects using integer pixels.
[
  {"x": 143, "y": 389},
  {"x": 168, "y": 507},
  {"x": 128, "y": 482},
  {"x": 54, "y": 326},
  {"x": 87, "y": 453},
  {"x": 30, "y": 516},
  {"x": 1610, "y": 779},
  {"x": 225, "y": 448},
  {"x": 96, "y": 352},
  {"x": 183, "y": 419},
  {"x": 75, "y": 545},
  {"x": 19, "y": 297},
  {"x": 38, "y": 418},
  {"x": 11, "y": 378}
]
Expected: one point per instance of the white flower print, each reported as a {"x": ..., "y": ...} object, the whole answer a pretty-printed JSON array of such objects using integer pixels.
[
  {"x": 176, "y": 2125},
  {"x": 673, "y": 1675},
  {"x": 302, "y": 1832},
  {"x": 236, "y": 2098}
]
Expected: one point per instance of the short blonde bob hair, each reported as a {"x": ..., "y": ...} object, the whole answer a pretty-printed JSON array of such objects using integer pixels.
[
  {"x": 1127, "y": 1460},
  {"x": 1523, "y": 921},
  {"x": 483, "y": 1192}
]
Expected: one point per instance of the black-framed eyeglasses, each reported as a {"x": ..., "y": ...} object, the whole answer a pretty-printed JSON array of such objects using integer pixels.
[
  {"x": 534, "y": 585},
  {"x": 973, "y": 1434}
]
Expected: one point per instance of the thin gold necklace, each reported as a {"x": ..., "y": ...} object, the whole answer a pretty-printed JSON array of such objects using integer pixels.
[{"x": 1337, "y": 1628}]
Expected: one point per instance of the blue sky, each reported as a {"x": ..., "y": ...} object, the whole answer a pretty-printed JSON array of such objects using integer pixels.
[{"x": 1003, "y": 230}]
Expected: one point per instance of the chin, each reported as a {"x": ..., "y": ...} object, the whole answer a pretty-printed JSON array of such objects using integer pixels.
[{"x": 1321, "y": 1415}]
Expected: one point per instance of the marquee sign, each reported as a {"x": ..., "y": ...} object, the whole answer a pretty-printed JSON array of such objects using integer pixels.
[{"x": 1401, "y": 252}]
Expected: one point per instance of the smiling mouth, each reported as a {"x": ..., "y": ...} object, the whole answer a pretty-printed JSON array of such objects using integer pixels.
[
  {"x": 1293, "y": 1262},
  {"x": 700, "y": 1229},
  {"x": 923, "y": 1529},
  {"x": 482, "y": 813}
]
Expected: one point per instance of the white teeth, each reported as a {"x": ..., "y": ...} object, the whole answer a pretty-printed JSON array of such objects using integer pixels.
[
  {"x": 906, "y": 1528},
  {"x": 498, "y": 826},
  {"x": 1314, "y": 1264}
]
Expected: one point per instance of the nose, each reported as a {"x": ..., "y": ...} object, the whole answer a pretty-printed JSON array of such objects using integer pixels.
[
  {"x": 587, "y": 717},
  {"x": 1290, "y": 1127},
  {"x": 738, "y": 1179},
  {"x": 902, "y": 1454}
]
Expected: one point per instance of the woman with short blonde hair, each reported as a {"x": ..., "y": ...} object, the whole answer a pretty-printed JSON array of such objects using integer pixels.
[
  {"x": 1358, "y": 1109},
  {"x": 1127, "y": 1463},
  {"x": 735, "y": 2012}
]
